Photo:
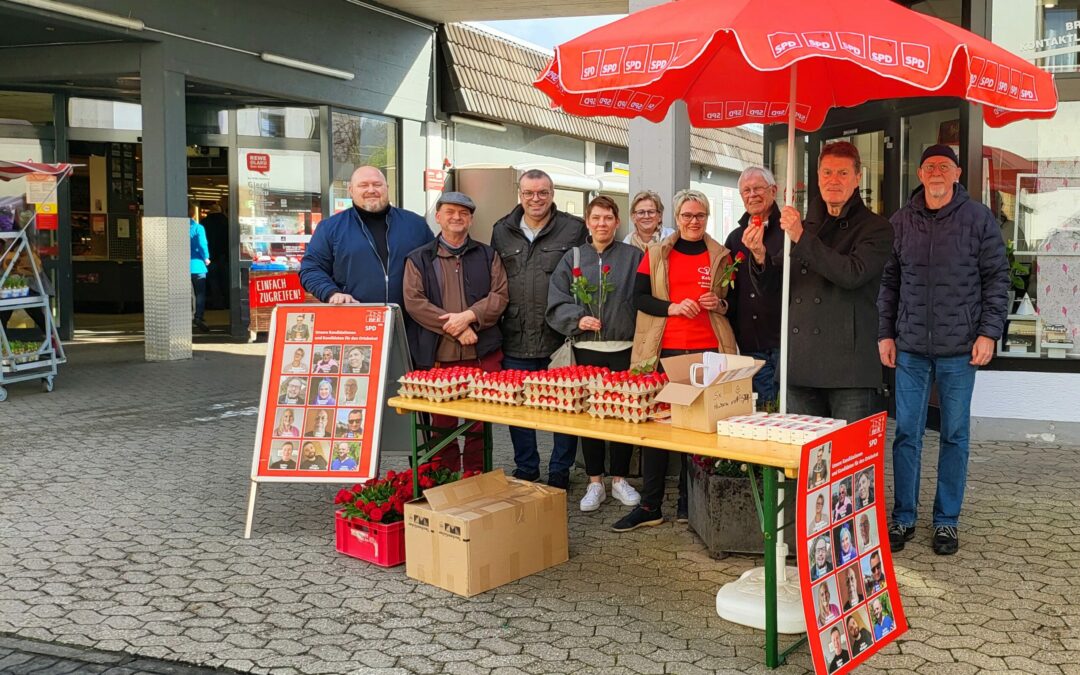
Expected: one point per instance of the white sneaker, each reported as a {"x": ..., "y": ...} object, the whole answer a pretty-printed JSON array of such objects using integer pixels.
[
  {"x": 625, "y": 493},
  {"x": 595, "y": 495}
]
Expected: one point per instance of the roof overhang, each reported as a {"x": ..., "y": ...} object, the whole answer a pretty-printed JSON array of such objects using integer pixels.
[{"x": 441, "y": 11}]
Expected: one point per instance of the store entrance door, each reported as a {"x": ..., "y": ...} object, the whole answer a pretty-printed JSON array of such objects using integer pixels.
[{"x": 208, "y": 188}]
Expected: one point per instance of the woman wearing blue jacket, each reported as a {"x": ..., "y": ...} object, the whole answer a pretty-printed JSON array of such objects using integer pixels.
[{"x": 200, "y": 262}]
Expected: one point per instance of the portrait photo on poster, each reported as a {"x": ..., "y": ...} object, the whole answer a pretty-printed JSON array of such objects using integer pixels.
[
  {"x": 850, "y": 581},
  {"x": 292, "y": 390},
  {"x": 350, "y": 423},
  {"x": 354, "y": 391},
  {"x": 313, "y": 456},
  {"x": 282, "y": 456},
  {"x": 356, "y": 360},
  {"x": 881, "y": 616},
  {"x": 326, "y": 359},
  {"x": 817, "y": 505},
  {"x": 318, "y": 423},
  {"x": 301, "y": 326},
  {"x": 873, "y": 571},
  {"x": 841, "y": 499},
  {"x": 819, "y": 466},
  {"x": 295, "y": 359},
  {"x": 834, "y": 645},
  {"x": 864, "y": 488},
  {"x": 827, "y": 602},
  {"x": 844, "y": 543},
  {"x": 859, "y": 634},
  {"x": 346, "y": 456},
  {"x": 866, "y": 529},
  {"x": 323, "y": 391},
  {"x": 821, "y": 563},
  {"x": 287, "y": 423}
]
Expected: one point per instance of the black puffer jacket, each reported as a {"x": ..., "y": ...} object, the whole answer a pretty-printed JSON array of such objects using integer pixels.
[
  {"x": 835, "y": 276},
  {"x": 947, "y": 280},
  {"x": 529, "y": 266}
]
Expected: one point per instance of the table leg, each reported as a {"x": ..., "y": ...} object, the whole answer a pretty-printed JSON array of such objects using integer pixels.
[
  {"x": 489, "y": 448},
  {"x": 772, "y": 643},
  {"x": 415, "y": 454}
]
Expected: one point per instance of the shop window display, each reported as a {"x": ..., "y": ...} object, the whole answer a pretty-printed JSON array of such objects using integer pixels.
[{"x": 360, "y": 140}]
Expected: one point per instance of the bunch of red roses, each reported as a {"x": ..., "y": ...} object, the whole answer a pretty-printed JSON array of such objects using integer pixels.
[{"x": 382, "y": 500}]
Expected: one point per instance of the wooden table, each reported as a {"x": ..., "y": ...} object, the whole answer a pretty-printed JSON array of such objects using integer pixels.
[{"x": 773, "y": 458}]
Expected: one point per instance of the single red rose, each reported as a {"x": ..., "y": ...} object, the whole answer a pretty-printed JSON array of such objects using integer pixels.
[
  {"x": 390, "y": 475},
  {"x": 376, "y": 515},
  {"x": 343, "y": 496},
  {"x": 740, "y": 256},
  {"x": 577, "y": 272},
  {"x": 424, "y": 468},
  {"x": 606, "y": 269}
]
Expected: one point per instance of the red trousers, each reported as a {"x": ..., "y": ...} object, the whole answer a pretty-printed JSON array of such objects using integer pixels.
[{"x": 472, "y": 458}]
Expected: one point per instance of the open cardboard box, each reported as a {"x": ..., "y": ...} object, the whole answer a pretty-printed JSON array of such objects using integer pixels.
[
  {"x": 700, "y": 408},
  {"x": 478, "y": 533}
]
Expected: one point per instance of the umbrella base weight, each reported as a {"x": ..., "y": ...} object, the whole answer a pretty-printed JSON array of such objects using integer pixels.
[{"x": 743, "y": 602}]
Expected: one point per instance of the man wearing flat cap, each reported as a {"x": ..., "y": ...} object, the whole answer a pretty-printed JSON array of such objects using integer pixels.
[
  {"x": 941, "y": 308},
  {"x": 455, "y": 291}
]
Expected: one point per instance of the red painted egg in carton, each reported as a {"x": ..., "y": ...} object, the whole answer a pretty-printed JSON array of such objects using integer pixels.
[
  {"x": 627, "y": 382},
  {"x": 512, "y": 381},
  {"x": 438, "y": 384},
  {"x": 555, "y": 402},
  {"x": 635, "y": 414},
  {"x": 566, "y": 377}
]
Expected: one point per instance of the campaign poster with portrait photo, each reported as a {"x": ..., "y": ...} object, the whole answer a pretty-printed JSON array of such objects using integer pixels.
[{"x": 850, "y": 598}]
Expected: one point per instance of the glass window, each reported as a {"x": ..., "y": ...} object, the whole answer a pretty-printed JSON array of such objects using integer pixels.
[
  {"x": 920, "y": 132},
  {"x": 1032, "y": 184},
  {"x": 20, "y": 107},
  {"x": 280, "y": 204},
  {"x": 1044, "y": 32},
  {"x": 779, "y": 169},
  {"x": 278, "y": 122},
  {"x": 92, "y": 113},
  {"x": 360, "y": 140},
  {"x": 946, "y": 10},
  {"x": 206, "y": 118}
]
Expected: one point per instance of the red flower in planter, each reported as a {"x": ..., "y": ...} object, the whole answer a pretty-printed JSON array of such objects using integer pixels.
[
  {"x": 343, "y": 496},
  {"x": 376, "y": 514}
]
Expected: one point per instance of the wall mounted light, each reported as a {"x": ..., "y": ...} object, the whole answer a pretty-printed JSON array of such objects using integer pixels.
[
  {"x": 84, "y": 13},
  {"x": 304, "y": 65}
]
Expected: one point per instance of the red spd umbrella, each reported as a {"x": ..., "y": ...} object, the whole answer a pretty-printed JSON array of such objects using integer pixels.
[{"x": 731, "y": 62}]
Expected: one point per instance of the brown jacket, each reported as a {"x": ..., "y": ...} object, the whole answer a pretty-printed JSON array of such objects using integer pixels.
[{"x": 650, "y": 329}]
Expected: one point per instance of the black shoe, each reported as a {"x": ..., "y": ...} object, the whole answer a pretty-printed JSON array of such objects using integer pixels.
[
  {"x": 639, "y": 517},
  {"x": 559, "y": 480},
  {"x": 522, "y": 475},
  {"x": 900, "y": 535},
  {"x": 201, "y": 326},
  {"x": 682, "y": 513},
  {"x": 946, "y": 540}
]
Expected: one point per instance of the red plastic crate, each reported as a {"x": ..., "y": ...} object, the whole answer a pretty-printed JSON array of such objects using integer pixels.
[{"x": 377, "y": 543}]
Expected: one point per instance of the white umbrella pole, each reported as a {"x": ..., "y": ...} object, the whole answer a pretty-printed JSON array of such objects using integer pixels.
[{"x": 789, "y": 199}]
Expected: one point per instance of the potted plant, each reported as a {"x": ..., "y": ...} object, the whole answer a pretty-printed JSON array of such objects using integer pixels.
[
  {"x": 370, "y": 517},
  {"x": 1018, "y": 274},
  {"x": 722, "y": 510}
]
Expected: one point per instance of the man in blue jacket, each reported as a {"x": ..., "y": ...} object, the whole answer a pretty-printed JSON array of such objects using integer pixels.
[
  {"x": 348, "y": 251},
  {"x": 941, "y": 308}
]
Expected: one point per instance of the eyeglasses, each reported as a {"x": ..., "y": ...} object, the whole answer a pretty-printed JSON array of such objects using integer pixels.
[
  {"x": 529, "y": 195},
  {"x": 875, "y": 568},
  {"x": 692, "y": 217},
  {"x": 758, "y": 190},
  {"x": 646, "y": 213},
  {"x": 355, "y": 421},
  {"x": 942, "y": 168}
]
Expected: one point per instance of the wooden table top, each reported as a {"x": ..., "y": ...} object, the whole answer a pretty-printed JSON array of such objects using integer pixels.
[{"x": 650, "y": 434}]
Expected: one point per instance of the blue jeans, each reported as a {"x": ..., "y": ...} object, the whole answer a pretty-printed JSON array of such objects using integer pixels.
[
  {"x": 526, "y": 456},
  {"x": 765, "y": 381},
  {"x": 198, "y": 285},
  {"x": 955, "y": 377}
]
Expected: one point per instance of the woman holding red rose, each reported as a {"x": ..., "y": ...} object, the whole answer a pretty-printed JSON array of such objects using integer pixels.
[
  {"x": 590, "y": 300},
  {"x": 679, "y": 293}
]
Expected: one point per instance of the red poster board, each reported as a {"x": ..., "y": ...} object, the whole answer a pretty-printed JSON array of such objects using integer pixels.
[
  {"x": 279, "y": 289},
  {"x": 850, "y": 597},
  {"x": 321, "y": 410}
]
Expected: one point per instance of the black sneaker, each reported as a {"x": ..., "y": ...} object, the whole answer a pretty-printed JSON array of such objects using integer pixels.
[
  {"x": 946, "y": 540},
  {"x": 201, "y": 326},
  {"x": 523, "y": 475},
  {"x": 682, "y": 513},
  {"x": 639, "y": 517},
  {"x": 900, "y": 535},
  {"x": 559, "y": 480}
]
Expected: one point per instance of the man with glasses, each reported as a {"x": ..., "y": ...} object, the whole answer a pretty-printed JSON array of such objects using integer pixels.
[
  {"x": 942, "y": 306},
  {"x": 530, "y": 241},
  {"x": 837, "y": 255},
  {"x": 754, "y": 306},
  {"x": 354, "y": 424}
]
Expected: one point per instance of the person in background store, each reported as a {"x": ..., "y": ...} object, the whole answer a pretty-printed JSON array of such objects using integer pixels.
[
  {"x": 200, "y": 259},
  {"x": 680, "y": 304},
  {"x": 340, "y": 263},
  {"x": 942, "y": 304},
  {"x": 217, "y": 276},
  {"x": 531, "y": 240},
  {"x": 647, "y": 216},
  {"x": 837, "y": 255},
  {"x": 603, "y": 332},
  {"x": 755, "y": 304},
  {"x": 455, "y": 292}
]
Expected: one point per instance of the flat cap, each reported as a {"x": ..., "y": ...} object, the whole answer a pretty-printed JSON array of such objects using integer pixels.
[{"x": 456, "y": 198}]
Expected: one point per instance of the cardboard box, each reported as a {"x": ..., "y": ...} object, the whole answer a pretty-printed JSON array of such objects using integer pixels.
[
  {"x": 700, "y": 408},
  {"x": 482, "y": 532}
]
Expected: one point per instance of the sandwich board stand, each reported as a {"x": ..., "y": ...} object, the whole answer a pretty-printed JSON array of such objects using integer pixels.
[{"x": 322, "y": 410}]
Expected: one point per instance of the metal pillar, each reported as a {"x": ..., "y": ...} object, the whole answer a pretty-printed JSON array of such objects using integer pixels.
[{"x": 166, "y": 247}]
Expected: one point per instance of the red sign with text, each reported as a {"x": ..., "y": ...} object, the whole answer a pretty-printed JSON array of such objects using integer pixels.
[
  {"x": 258, "y": 162},
  {"x": 280, "y": 289},
  {"x": 849, "y": 591},
  {"x": 319, "y": 418},
  {"x": 434, "y": 179}
]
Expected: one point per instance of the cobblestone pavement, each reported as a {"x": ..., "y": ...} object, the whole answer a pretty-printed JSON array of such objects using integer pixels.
[{"x": 122, "y": 499}]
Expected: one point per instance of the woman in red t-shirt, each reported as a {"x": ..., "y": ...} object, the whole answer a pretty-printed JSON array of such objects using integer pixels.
[{"x": 681, "y": 310}]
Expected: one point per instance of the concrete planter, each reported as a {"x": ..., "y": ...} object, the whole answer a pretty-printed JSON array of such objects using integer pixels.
[{"x": 722, "y": 513}]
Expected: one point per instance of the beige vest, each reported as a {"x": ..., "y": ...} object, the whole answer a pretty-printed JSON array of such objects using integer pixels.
[{"x": 649, "y": 330}]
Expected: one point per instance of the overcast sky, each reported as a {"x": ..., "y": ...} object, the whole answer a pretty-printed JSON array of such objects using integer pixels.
[{"x": 550, "y": 32}]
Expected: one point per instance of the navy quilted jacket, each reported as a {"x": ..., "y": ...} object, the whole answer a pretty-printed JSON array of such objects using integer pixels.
[{"x": 947, "y": 279}]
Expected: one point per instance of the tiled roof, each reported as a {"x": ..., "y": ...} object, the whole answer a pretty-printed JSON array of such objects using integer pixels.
[{"x": 491, "y": 77}]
